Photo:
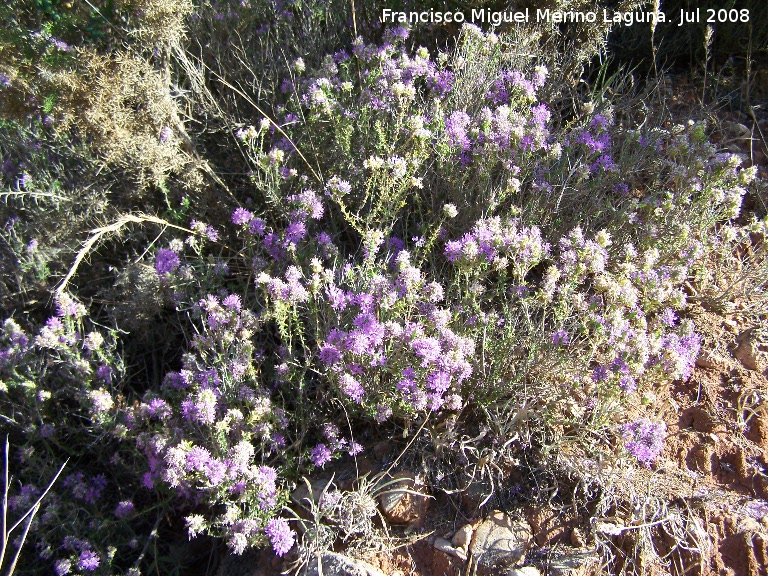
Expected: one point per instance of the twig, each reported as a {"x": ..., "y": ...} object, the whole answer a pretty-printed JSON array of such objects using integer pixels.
[
  {"x": 34, "y": 510},
  {"x": 5, "y": 506},
  {"x": 97, "y": 233}
]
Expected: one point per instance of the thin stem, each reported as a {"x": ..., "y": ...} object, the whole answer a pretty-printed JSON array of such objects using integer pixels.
[
  {"x": 34, "y": 510},
  {"x": 5, "y": 506}
]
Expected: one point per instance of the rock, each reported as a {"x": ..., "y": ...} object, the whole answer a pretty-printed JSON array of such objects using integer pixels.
[
  {"x": 577, "y": 540},
  {"x": 250, "y": 563},
  {"x": 463, "y": 537},
  {"x": 582, "y": 562},
  {"x": 706, "y": 360},
  {"x": 499, "y": 541},
  {"x": 339, "y": 565},
  {"x": 399, "y": 502},
  {"x": 746, "y": 353},
  {"x": 524, "y": 571},
  {"x": 444, "y": 546},
  {"x": 737, "y": 130}
]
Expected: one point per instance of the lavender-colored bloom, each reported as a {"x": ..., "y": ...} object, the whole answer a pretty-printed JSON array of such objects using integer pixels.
[
  {"x": 241, "y": 216},
  {"x": 456, "y": 129},
  {"x": 320, "y": 455},
  {"x": 355, "y": 449},
  {"x": 668, "y": 317},
  {"x": 166, "y": 261},
  {"x": 428, "y": 349},
  {"x": 560, "y": 338},
  {"x": 238, "y": 543},
  {"x": 124, "y": 509},
  {"x": 62, "y": 567},
  {"x": 280, "y": 535},
  {"x": 88, "y": 561},
  {"x": 383, "y": 413},
  {"x": 257, "y": 226},
  {"x": 296, "y": 232},
  {"x": 165, "y": 134},
  {"x": 599, "y": 374},
  {"x": 215, "y": 471},
  {"x": 60, "y": 45},
  {"x": 337, "y": 297},
  {"x": 233, "y": 301},
  {"x": 644, "y": 439},
  {"x": 331, "y": 432},
  {"x": 329, "y": 354},
  {"x": 352, "y": 388},
  {"x": 628, "y": 384},
  {"x": 197, "y": 459}
]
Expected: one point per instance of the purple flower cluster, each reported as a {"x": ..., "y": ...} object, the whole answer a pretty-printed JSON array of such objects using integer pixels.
[
  {"x": 15, "y": 343},
  {"x": 426, "y": 360},
  {"x": 166, "y": 261},
  {"x": 280, "y": 535},
  {"x": 512, "y": 83},
  {"x": 644, "y": 439},
  {"x": 500, "y": 245}
]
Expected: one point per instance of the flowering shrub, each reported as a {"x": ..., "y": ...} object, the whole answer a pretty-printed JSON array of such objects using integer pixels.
[{"x": 422, "y": 236}]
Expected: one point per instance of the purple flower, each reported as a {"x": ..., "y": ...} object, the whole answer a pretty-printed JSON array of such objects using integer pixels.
[
  {"x": 165, "y": 134},
  {"x": 644, "y": 439},
  {"x": 89, "y": 561},
  {"x": 197, "y": 459},
  {"x": 104, "y": 373},
  {"x": 124, "y": 509},
  {"x": 668, "y": 317},
  {"x": 295, "y": 232},
  {"x": 257, "y": 226},
  {"x": 320, "y": 455},
  {"x": 62, "y": 567},
  {"x": 600, "y": 373},
  {"x": 560, "y": 338},
  {"x": 383, "y": 413},
  {"x": 352, "y": 388},
  {"x": 241, "y": 216},
  {"x": 428, "y": 349},
  {"x": 166, "y": 261},
  {"x": 233, "y": 301},
  {"x": 329, "y": 354},
  {"x": 60, "y": 45},
  {"x": 280, "y": 535},
  {"x": 456, "y": 129}
]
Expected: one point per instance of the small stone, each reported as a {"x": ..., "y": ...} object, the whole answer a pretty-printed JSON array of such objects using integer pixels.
[
  {"x": 444, "y": 546},
  {"x": 524, "y": 571},
  {"x": 747, "y": 351},
  {"x": 581, "y": 562},
  {"x": 706, "y": 360},
  {"x": 339, "y": 565},
  {"x": 737, "y": 130},
  {"x": 463, "y": 537},
  {"x": 500, "y": 541},
  {"x": 577, "y": 540},
  {"x": 406, "y": 501}
]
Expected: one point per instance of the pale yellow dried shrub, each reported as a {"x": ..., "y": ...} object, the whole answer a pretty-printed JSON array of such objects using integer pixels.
[
  {"x": 160, "y": 22},
  {"x": 124, "y": 106}
]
